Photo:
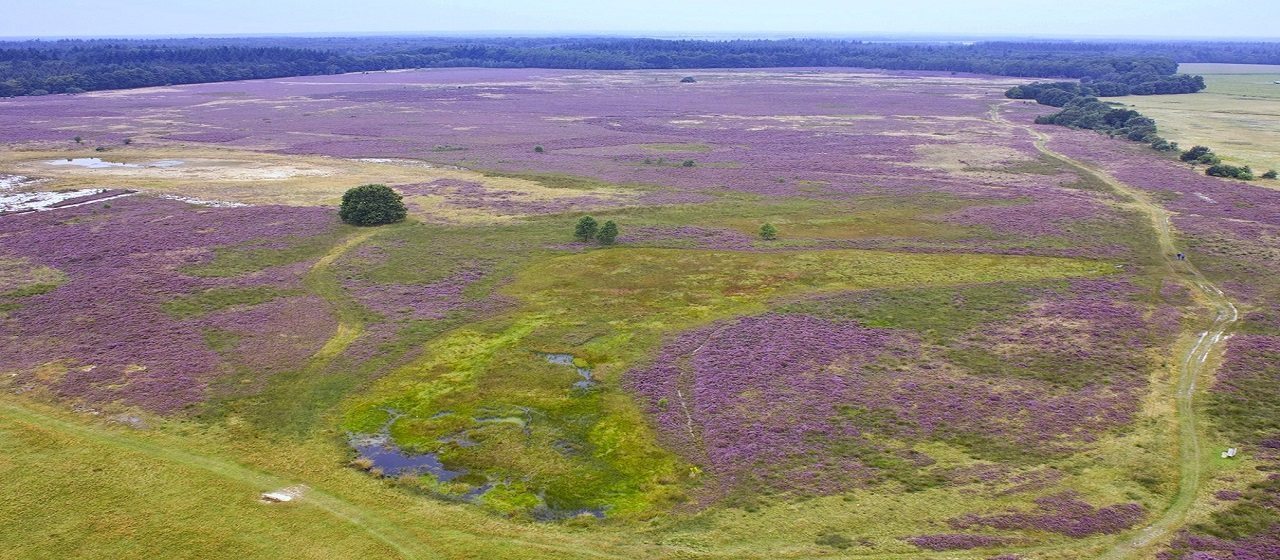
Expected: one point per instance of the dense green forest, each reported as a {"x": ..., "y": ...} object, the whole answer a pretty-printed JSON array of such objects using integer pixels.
[{"x": 70, "y": 66}]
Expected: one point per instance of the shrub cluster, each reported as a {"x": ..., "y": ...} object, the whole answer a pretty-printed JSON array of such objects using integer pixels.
[
  {"x": 1090, "y": 113},
  {"x": 1230, "y": 171},
  {"x": 1200, "y": 154}
]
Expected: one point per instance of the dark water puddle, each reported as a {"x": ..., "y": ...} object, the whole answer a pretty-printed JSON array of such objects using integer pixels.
[
  {"x": 587, "y": 382},
  {"x": 384, "y": 456},
  {"x": 392, "y": 461}
]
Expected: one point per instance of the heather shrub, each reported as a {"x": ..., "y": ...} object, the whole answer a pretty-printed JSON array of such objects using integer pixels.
[
  {"x": 608, "y": 233},
  {"x": 586, "y": 228},
  {"x": 372, "y": 205}
]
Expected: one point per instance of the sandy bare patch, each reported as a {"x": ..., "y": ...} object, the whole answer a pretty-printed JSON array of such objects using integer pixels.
[
  {"x": 227, "y": 176},
  {"x": 283, "y": 495},
  {"x": 960, "y": 156}
]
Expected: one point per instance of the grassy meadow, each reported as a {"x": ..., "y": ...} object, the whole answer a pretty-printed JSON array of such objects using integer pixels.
[{"x": 1238, "y": 114}]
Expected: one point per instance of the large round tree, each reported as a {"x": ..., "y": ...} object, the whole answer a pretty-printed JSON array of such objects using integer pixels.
[{"x": 371, "y": 205}]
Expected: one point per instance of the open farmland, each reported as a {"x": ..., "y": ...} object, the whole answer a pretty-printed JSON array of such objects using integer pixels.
[
  {"x": 971, "y": 339},
  {"x": 1238, "y": 114}
]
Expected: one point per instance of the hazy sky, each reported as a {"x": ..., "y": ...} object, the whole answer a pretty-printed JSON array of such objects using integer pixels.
[{"x": 1057, "y": 18}]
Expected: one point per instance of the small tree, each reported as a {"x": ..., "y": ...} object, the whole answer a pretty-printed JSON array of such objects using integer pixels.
[
  {"x": 586, "y": 229},
  {"x": 608, "y": 233},
  {"x": 688, "y": 163},
  {"x": 1271, "y": 174},
  {"x": 372, "y": 205},
  {"x": 768, "y": 232},
  {"x": 538, "y": 149},
  {"x": 688, "y": 80},
  {"x": 78, "y": 140}
]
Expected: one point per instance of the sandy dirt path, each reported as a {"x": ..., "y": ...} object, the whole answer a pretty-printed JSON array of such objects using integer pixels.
[{"x": 1193, "y": 352}]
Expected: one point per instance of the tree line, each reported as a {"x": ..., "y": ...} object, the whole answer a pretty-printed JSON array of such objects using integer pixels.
[
  {"x": 1081, "y": 109},
  {"x": 71, "y": 66}
]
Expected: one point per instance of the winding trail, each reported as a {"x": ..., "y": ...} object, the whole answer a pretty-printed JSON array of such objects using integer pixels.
[
  {"x": 321, "y": 281},
  {"x": 1193, "y": 361}
]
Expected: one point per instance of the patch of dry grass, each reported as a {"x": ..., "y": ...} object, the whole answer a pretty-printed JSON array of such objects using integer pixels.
[
  {"x": 262, "y": 178},
  {"x": 1238, "y": 115}
]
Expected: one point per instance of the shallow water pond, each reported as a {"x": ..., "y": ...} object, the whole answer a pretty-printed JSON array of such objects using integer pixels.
[
  {"x": 392, "y": 461},
  {"x": 587, "y": 381}
]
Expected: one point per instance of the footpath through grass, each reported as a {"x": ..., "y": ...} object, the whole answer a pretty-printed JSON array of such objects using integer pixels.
[{"x": 1193, "y": 359}]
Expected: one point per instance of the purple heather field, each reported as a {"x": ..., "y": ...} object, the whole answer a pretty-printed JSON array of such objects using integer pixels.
[
  {"x": 838, "y": 128},
  {"x": 103, "y": 335},
  {"x": 792, "y": 399}
]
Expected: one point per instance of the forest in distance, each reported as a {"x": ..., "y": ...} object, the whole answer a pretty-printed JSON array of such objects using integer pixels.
[{"x": 72, "y": 65}]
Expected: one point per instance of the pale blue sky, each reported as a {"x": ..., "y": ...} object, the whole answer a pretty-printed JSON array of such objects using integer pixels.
[{"x": 1054, "y": 18}]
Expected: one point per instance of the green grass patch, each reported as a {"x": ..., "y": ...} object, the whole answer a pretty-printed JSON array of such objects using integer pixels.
[
  {"x": 255, "y": 256},
  {"x": 677, "y": 147},
  {"x": 22, "y": 279},
  {"x": 213, "y": 299},
  {"x": 219, "y": 340},
  {"x": 622, "y": 283},
  {"x": 555, "y": 180},
  {"x": 580, "y": 449},
  {"x": 938, "y": 313}
]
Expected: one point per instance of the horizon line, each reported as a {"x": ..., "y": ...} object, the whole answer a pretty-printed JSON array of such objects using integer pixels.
[{"x": 667, "y": 35}]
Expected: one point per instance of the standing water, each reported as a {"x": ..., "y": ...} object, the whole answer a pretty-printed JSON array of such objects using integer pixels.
[{"x": 587, "y": 381}]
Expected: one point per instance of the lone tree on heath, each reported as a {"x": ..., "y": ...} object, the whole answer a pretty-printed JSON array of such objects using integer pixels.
[
  {"x": 608, "y": 233},
  {"x": 586, "y": 229},
  {"x": 1271, "y": 174},
  {"x": 768, "y": 232},
  {"x": 372, "y": 205}
]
